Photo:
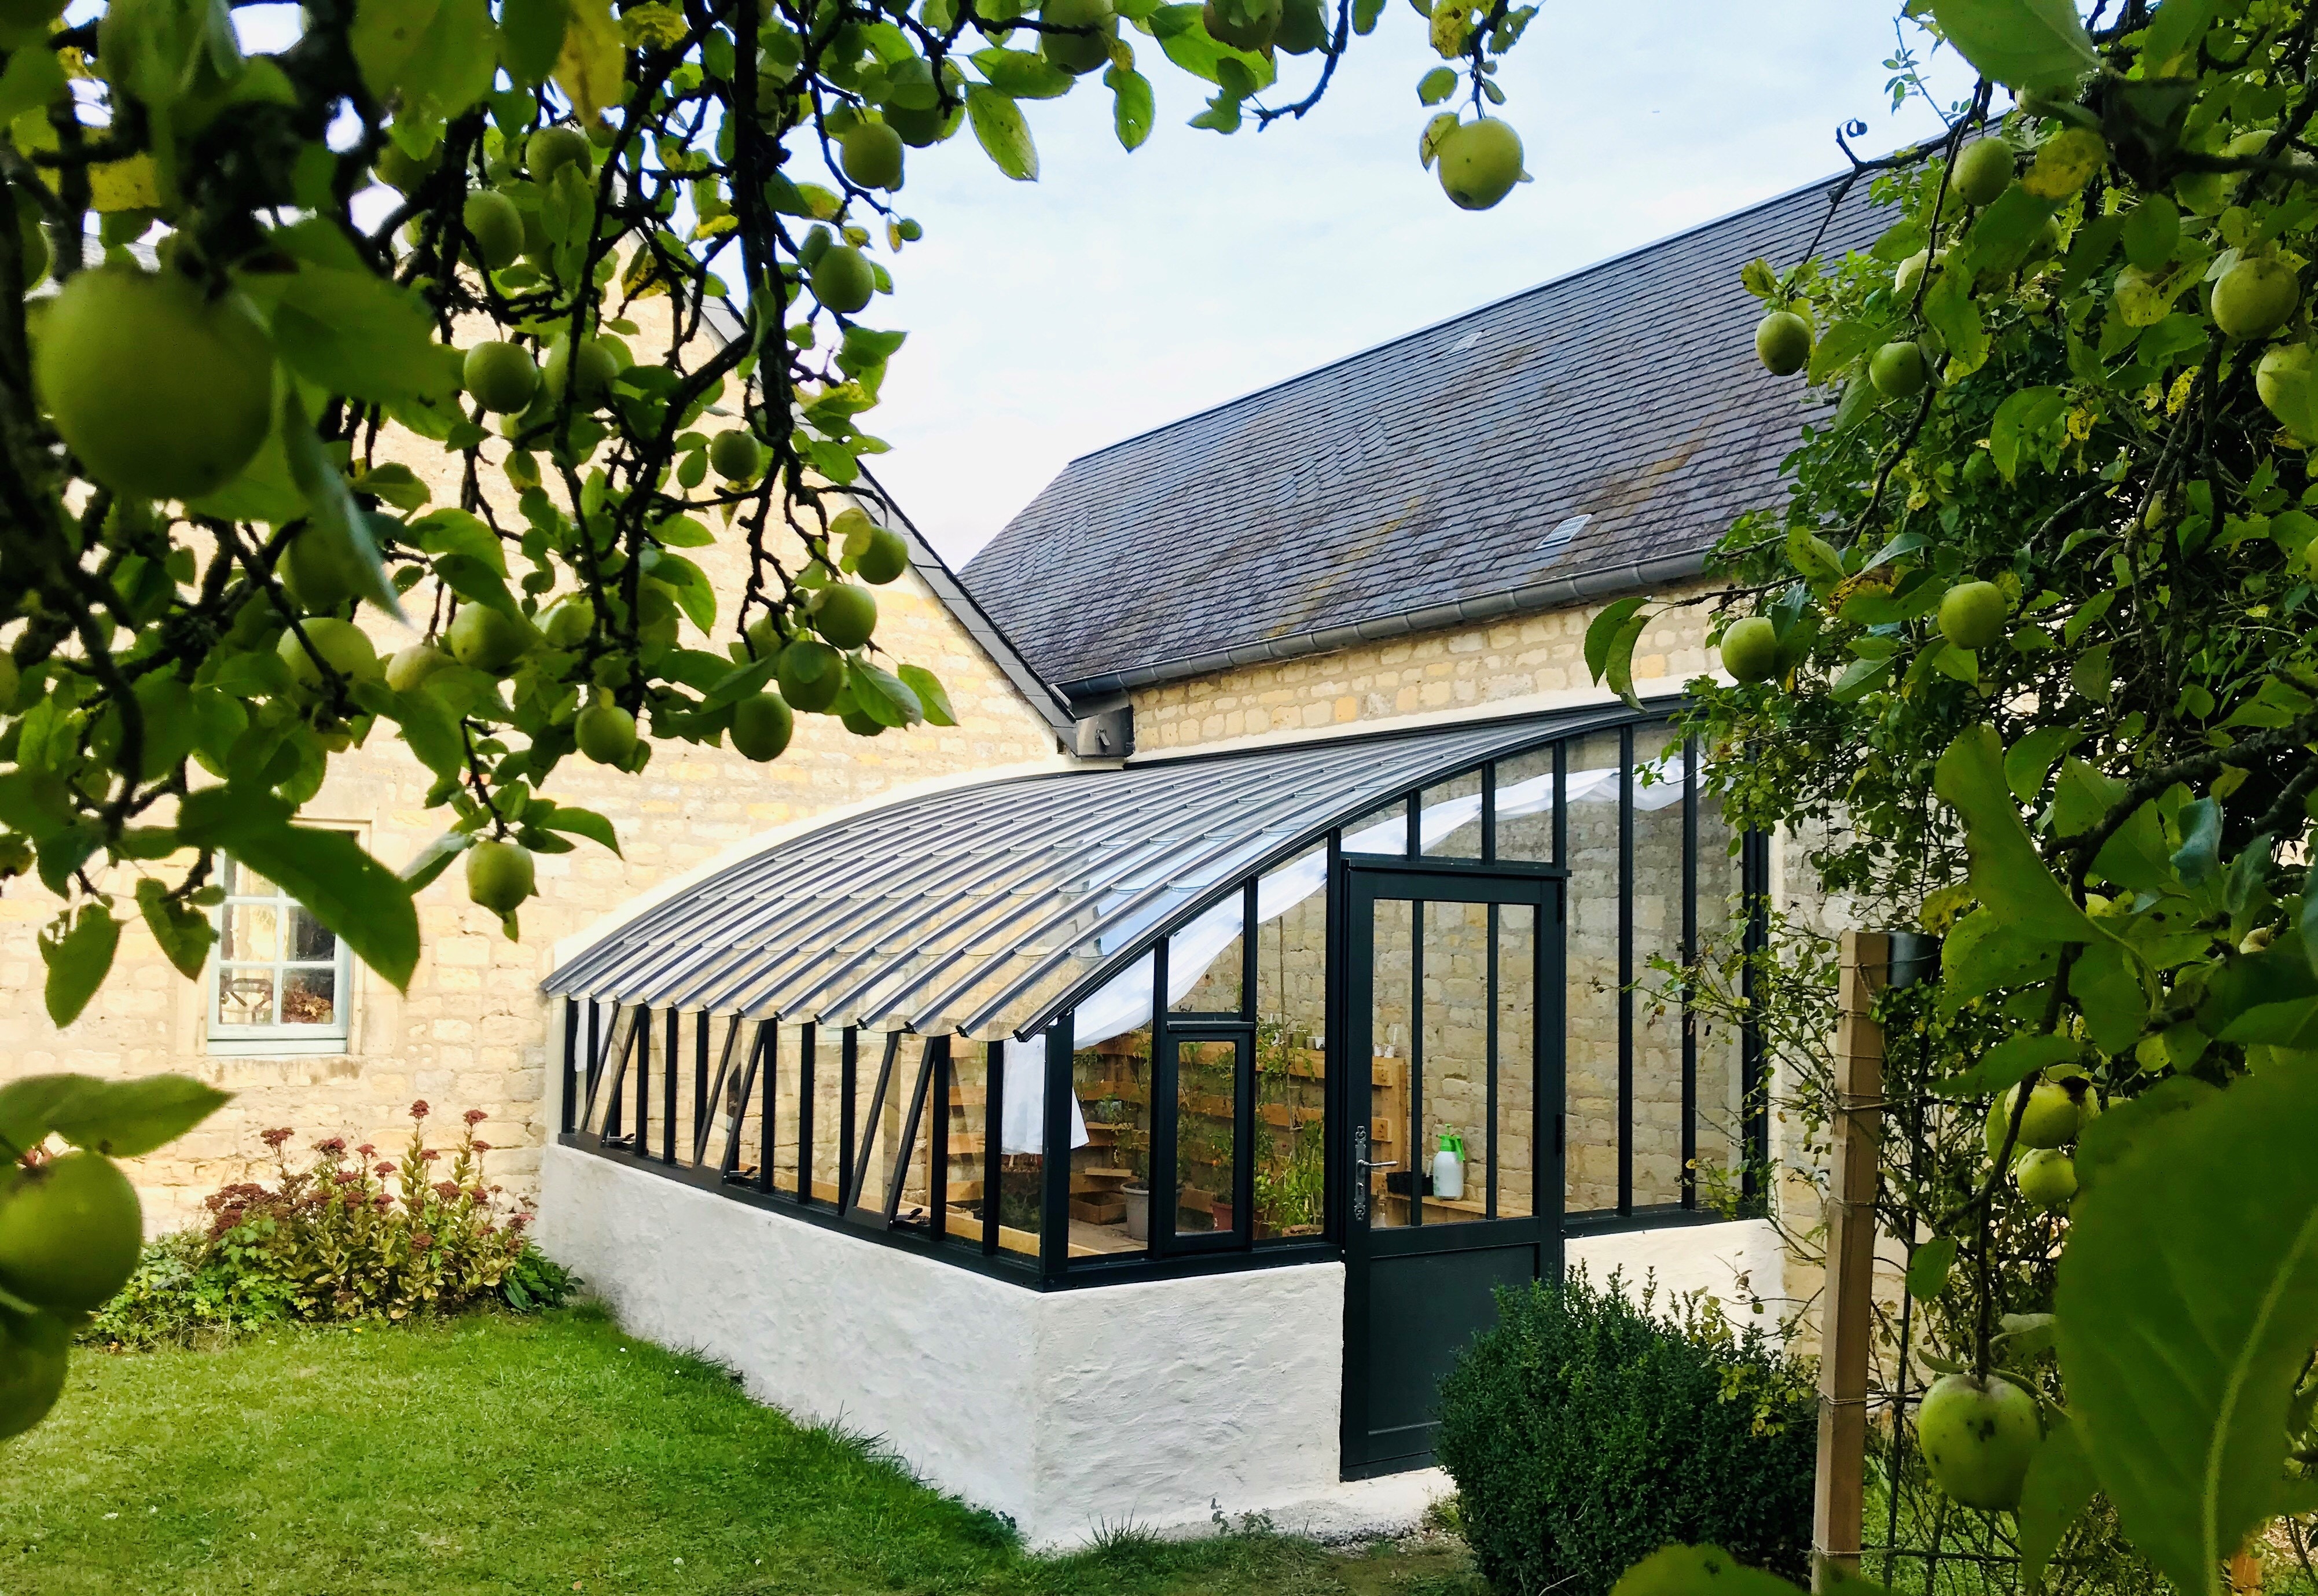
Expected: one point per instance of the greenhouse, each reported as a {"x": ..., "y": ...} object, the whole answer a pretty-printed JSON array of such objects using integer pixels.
[{"x": 1348, "y": 1030}]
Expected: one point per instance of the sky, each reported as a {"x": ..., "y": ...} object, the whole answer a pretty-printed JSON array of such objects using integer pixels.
[{"x": 1120, "y": 292}]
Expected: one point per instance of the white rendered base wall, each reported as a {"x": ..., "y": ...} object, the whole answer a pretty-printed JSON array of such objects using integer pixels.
[
  {"x": 1155, "y": 1404},
  {"x": 1735, "y": 1262},
  {"x": 1158, "y": 1404}
]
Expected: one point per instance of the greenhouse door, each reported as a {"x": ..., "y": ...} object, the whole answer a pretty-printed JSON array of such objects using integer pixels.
[{"x": 1453, "y": 998}]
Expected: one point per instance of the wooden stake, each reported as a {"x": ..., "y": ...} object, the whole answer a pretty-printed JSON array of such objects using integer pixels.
[{"x": 1838, "y": 1492}]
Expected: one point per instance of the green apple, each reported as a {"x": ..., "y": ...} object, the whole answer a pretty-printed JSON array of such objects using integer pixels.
[
  {"x": 1750, "y": 649},
  {"x": 1783, "y": 343},
  {"x": 70, "y": 1232},
  {"x": 1978, "y": 1436},
  {"x": 498, "y": 875},
  {"x": 2047, "y": 1177},
  {"x": 1972, "y": 614}
]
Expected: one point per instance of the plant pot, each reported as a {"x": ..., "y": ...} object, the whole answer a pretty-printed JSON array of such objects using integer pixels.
[
  {"x": 1221, "y": 1214},
  {"x": 1138, "y": 1212}
]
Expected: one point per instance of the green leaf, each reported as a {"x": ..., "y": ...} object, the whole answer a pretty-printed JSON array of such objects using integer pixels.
[
  {"x": 2189, "y": 1302},
  {"x": 2022, "y": 44},
  {"x": 1436, "y": 86},
  {"x": 32, "y": 79},
  {"x": 183, "y": 932},
  {"x": 435, "y": 859},
  {"x": 2107, "y": 985},
  {"x": 358, "y": 335},
  {"x": 1841, "y": 343},
  {"x": 478, "y": 583},
  {"x": 880, "y": 695},
  {"x": 1019, "y": 74},
  {"x": 78, "y": 956},
  {"x": 1183, "y": 35},
  {"x": 352, "y": 895},
  {"x": 2200, "y": 853},
  {"x": 1601, "y": 634},
  {"x": 2060, "y": 1486},
  {"x": 130, "y": 1119},
  {"x": 1948, "y": 307},
  {"x": 1859, "y": 678},
  {"x": 1928, "y": 1268},
  {"x": 2178, "y": 25},
  {"x": 2007, "y": 1064},
  {"x": 2022, "y": 420},
  {"x": 578, "y": 821},
  {"x": 930, "y": 694},
  {"x": 332, "y": 512},
  {"x": 1132, "y": 107},
  {"x": 1705, "y": 1571},
  {"x": 2026, "y": 763},
  {"x": 1003, "y": 135},
  {"x": 436, "y": 57},
  {"x": 449, "y": 531},
  {"x": 2007, "y": 875},
  {"x": 26, "y": 1104},
  {"x": 2110, "y": 1135},
  {"x": 1365, "y": 13},
  {"x": 2000, "y": 241},
  {"x": 530, "y": 36}
]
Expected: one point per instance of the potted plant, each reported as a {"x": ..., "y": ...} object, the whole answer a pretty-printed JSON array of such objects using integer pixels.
[{"x": 1133, "y": 1150}]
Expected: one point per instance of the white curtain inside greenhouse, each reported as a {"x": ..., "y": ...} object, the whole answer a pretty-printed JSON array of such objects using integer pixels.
[{"x": 1123, "y": 1004}]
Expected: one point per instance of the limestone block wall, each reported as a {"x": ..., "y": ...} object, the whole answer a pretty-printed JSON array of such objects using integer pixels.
[{"x": 472, "y": 1031}]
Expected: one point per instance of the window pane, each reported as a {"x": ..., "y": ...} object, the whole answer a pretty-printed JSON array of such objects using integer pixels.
[
  {"x": 1291, "y": 970},
  {"x": 244, "y": 996},
  {"x": 252, "y": 931},
  {"x": 1721, "y": 929},
  {"x": 1658, "y": 954},
  {"x": 1389, "y": 1022},
  {"x": 1205, "y": 960},
  {"x": 242, "y": 881},
  {"x": 1453, "y": 1070},
  {"x": 1451, "y": 819},
  {"x": 1524, "y": 806},
  {"x": 310, "y": 997},
  {"x": 969, "y": 1124},
  {"x": 1380, "y": 830},
  {"x": 1515, "y": 1154},
  {"x": 308, "y": 940},
  {"x": 1110, "y": 1176},
  {"x": 1022, "y": 1168},
  {"x": 1206, "y": 1135},
  {"x": 1592, "y": 932}
]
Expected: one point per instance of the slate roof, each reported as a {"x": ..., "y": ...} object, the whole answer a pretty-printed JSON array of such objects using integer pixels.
[{"x": 1593, "y": 434}]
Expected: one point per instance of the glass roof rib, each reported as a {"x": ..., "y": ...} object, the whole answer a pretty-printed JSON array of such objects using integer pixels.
[{"x": 986, "y": 909}]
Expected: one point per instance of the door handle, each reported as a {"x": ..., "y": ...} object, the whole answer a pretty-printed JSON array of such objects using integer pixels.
[{"x": 1378, "y": 1163}]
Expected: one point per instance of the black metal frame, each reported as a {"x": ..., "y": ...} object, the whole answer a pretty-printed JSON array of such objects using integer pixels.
[{"x": 593, "y": 1112}]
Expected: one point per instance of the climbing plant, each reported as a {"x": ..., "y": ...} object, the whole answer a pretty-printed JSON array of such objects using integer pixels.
[{"x": 2025, "y": 657}]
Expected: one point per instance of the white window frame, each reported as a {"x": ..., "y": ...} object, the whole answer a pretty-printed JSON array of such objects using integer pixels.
[{"x": 279, "y": 1039}]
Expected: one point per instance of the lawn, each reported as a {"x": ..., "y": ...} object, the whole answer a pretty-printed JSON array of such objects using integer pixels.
[{"x": 548, "y": 1454}]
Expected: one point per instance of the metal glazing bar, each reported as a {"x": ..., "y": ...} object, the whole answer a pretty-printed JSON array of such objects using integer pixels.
[
  {"x": 595, "y": 1056},
  {"x": 570, "y": 1077},
  {"x": 1244, "y": 1138},
  {"x": 1561, "y": 803},
  {"x": 1755, "y": 883},
  {"x": 639, "y": 1138},
  {"x": 715, "y": 1093},
  {"x": 667, "y": 1094},
  {"x": 607, "y": 1074},
  {"x": 1055, "y": 1164},
  {"x": 1689, "y": 960},
  {"x": 1489, "y": 812},
  {"x": 1489, "y": 1141},
  {"x": 1625, "y": 969},
  {"x": 994, "y": 1142},
  {"x": 866, "y": 1128},
  {"x": 1335, "y": 1090},
  {"x": 1416, "y": 849},
  {"x": 1416, "y": 1165},
  {"x": 734, "y": 1101},
  {"x": 1160, "y": 1227},
  {"x": 905, "y": 1148},
  {"x": 700, "y": 1029}
]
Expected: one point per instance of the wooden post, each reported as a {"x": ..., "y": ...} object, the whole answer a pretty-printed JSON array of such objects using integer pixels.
[{"x": 1846, "y": 1320}]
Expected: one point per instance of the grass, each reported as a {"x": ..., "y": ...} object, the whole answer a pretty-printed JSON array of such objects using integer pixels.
[{"x": 493, "y": 1453}]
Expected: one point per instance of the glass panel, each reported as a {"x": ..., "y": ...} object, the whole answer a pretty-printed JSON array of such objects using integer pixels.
[
  {"x": 1657, "y": 959},
  {"x": 1022, "y": 1170},
  {"x": 252, "y": 931},
  {"x": 242, "y": 881},
  {"x": 1592, "y": 991},
  {"x": 1721, "y": 929},
  {"x": 246, "y": 996},
  {"x": 1510, "y": 1152},
  {"x": 788, "y": 1122},
  {"x": 1452, "y": 1072},
  {"x": 1207, "y": 1080},
  {"x": 1110, "y": 1176},
  {"x": 1388, "y": 1021},
  {"x": 1451, "y": 819},
  {"x": 1291, "y": 971},
  {"x": 828, "y": 1158},
  {"x": 880, "y": 1149},
  {"x": 1205, "y": 961},
  {"x": 1380, "y": 830},
  {"x": 310, "y": 997},
  {"x": 1524, "y": 805},
  {"x": 308, "y": 941},
  {"x": 969, "y": 1125},
  {"x": 915, "y": 1155}
]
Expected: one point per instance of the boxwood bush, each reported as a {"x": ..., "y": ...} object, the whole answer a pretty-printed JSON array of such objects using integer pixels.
[{"x": 1589, "y": 1428}]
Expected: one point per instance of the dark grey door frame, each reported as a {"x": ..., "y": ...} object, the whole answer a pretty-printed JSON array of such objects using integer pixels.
[{"x": 1403, "y": 1252}]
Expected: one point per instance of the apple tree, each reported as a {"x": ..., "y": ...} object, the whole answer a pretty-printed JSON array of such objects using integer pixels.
[{"x": 2026, "y": 658}]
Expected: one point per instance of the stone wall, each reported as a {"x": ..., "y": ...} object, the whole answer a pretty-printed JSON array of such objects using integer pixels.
[
  {"x": 471, "y": 1031},
  {"x": 1471, "y": 668}
]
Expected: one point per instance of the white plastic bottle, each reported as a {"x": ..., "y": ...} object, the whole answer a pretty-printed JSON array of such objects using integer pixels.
[{"x": 1449, "y": 1166}]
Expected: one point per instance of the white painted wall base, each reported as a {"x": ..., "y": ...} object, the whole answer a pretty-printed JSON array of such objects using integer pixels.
[
  {"x": 1735, "y": 1262},
  {"x": 1159, "y": 1404}
]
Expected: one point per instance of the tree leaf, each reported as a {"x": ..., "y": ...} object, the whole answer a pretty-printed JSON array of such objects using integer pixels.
[
  {"x": 880, "y": 695},
  {"x": 578, "y": 821},
  {"x": 26, "y": 1104},
  {"x": 531, "y": 37},
  {"x": 352, "y": 895},
  {"x": 356, "y": 333},
  {"x": 2022, "y": 44},
  {"x": 593, "y": 61},
  {"x": 2178, "y": 24},
  {"x": 1003, "y": 135},
  {"x": 2000, "y": 240},
  {"x": 129, "y": 1118},
  {"x": 435, "y": 56},
  {"x": 1705, "y": 1571},
  {"x": 2189, "y": 1302},
  {"x": 2026, "y": 763},
  {"x": 183, "y": 932},
  {"x": 1948, "y": 307},
  {"x": 2060, "y": 1486},
  {"x": 2007, "y": 874},
  {"x": 2007, "y": 1064},
  {"x": 332, "y": 512},
  {"x": 1601, "y": 633},
  {"x": 1019, "y": 74},
  {"x": 930, "y": 695},
  {"x": 2199, "y": 855},
  {"x": 1131, "y": 106},
  {"x": 435, "y": 859},
  {"x": 1928, "y": 1268},
  {"x": 78, "y": 956},
  {"x": 2023, "y": 419}
]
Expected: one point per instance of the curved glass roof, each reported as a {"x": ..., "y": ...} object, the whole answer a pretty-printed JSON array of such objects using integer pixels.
[{"x": 985, "y": 910}]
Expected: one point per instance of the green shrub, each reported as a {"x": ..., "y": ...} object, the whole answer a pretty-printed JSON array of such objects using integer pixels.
[
  {"x": 332, "y": 1241},
  {"x": 1585, "y": 1432}
]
